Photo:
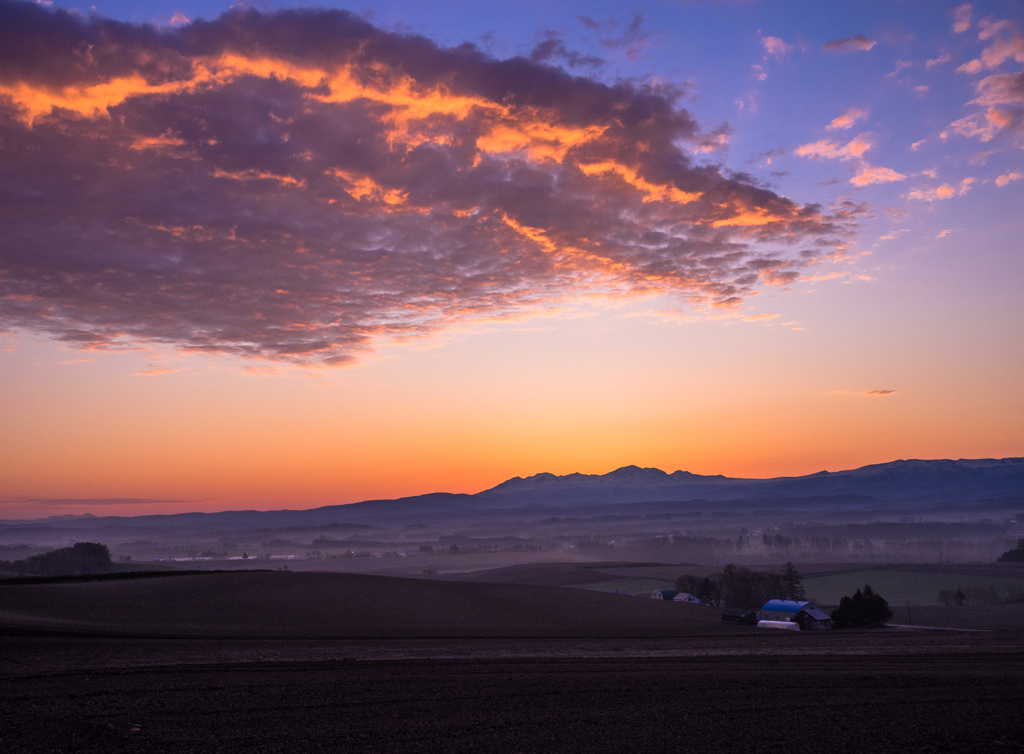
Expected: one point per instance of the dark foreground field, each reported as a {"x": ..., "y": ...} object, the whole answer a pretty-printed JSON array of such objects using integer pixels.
[
  {"x": 279, "y": 662},
  {"x": 948, "y": 692}
]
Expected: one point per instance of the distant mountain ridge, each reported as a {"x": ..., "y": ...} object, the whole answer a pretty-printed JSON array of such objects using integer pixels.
[
  {"x": 902, "y": 480},
  {"x": 896, "y": 484}
]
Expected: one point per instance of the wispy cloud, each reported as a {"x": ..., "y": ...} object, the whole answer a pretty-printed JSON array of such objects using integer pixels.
[
  {"x": 1004, "y": 180},
  {"x": 86, "y": 502},
  {"x": 155, "y": 372},
  {"x": 858, "y": 43},
  {"x": 775, "y": 47},
  {"x": 852, "y": 150},
  {"x": 832, "y": 150},
  {"x": 1002, "y": 94},
  {"x": 554, "y": 49},
  {"x": 633, "y": 39},
  {"x": 866, "y": 393},
  {"x": 944, "y": 233},
  {"x": 962, "y": 19},
  {"x": 302, "y": 186}
]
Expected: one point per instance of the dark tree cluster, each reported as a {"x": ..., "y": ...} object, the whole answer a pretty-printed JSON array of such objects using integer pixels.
[
  {"x": 706, "y": 589},
  {"x": 865, "y": 609},
  {"x": 1016, "y": 555},
  {"x": 83, "y": 557},
  {"x": 738, "y": 586}
]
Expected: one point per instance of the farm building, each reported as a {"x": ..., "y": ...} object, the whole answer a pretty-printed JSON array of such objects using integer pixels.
[
  {"x": 813, "y": 619},
  {"x": 783, "y": 610},
  {"x": 739, "y": 616},
  {"x": 665, "y": 593},
  {"x": 684, "y": 597}
]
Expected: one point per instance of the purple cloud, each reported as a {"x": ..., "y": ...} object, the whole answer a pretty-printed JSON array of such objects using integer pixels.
[
  {"x": 858, "y": 43},
  {"x": 299, "y": 185}
]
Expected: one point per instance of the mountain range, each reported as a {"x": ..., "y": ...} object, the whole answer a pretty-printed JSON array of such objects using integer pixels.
[{"x": 904, "y": 485}]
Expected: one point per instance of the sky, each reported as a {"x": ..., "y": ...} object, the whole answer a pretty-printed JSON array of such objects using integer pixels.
[{"x": 273, "y": 256}]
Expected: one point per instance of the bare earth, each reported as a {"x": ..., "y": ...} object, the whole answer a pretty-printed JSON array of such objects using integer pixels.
[
  {"x": 280, "y": 662},
  {"x": 82, "y": 695}
]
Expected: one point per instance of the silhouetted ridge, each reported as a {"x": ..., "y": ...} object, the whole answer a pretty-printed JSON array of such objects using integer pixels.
[
  {"x": 81, "y": 558},
  {"x": 903, "y": 484}
]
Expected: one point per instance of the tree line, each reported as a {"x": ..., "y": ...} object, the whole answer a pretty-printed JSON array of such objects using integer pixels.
[
  {"x": 81, "y": 558},
  {"x": 739, "y": 586}
]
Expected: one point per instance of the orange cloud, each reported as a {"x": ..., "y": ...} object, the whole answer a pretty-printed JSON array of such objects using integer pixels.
[
  {"x": 534, "y": 234},
  {"x": 363, "y": 187},
  {"x": 847, "y": 119},
  {"x": 93, "y": 101},
  {"x": 751, "y": 217},
  {"x": 869, "y": 174},
  {"x": 162, "y": 141},
  {"x": 539, "y": 140},
  {"x": 653, "y": 192},
  {"x": 256, "y": 175},
  {"x": 945, "y": 191},
  {"x": 831, "y": 150},
  {"x": 1004, "y": 180}
]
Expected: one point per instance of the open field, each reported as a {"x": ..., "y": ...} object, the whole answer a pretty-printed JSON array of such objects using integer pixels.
[
  {"x": 319, "y": 605},
  {"x": 411, "y": 566},
  {"x": 636, "y": 586},
  {"x": 941, "y": 692},
  {"x": 308, "y": 605},
  {"x": 919, "y": 585},
  {"x": 285, "y": 662},
  {"x": 599, "y": 577}
]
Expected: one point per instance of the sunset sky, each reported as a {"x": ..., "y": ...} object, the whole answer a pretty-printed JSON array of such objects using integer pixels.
[{"x": 267, "y": 256}]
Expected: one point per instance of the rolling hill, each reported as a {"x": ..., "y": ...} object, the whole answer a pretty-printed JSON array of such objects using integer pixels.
[{"x": 250, "y": 604}]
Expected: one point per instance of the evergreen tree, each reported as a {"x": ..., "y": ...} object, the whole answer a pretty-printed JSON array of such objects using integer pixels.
[
  {"x": 794, "y": 588},
  {"x": 708, "y": 592},
  {"x": 863, "y": 610}
]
